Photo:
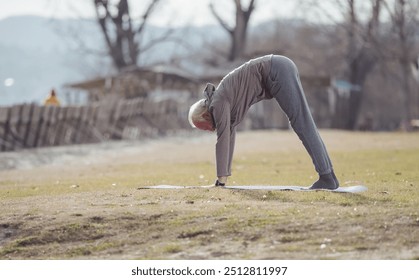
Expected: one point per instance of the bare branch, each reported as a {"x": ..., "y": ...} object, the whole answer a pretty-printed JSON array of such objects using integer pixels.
[
  {"x": 157, "y": 40},
  {"x": 102, "y": 21},
  {"x": 145, "y": 16},
  {"x": 249, "y": 10},
  {"x": 220, "y": 20}
]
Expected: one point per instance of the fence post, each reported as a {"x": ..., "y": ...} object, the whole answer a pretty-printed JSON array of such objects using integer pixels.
[
  {"x": 61, "y": 125},
  {"x": 14, "y": 126},
  {"x": 46, "y": 116},
  {"x": 76, "y": 124},
  {"x": 26, "y": 119},
  {"x": 4, "y": 119},
  {"x": 68, "y": 128},
  {"x": 114, "y": 119},
  {"x": 35, "y": 126},
  {"x": 84, "y": 133},
  {"x": 52, "y": 126}
]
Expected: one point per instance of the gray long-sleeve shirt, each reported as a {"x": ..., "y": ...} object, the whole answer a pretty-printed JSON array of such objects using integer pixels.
[{"x": 237, "y": 91}]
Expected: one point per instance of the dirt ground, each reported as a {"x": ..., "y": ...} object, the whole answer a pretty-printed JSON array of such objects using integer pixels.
[{"x": 86, "y": 202}]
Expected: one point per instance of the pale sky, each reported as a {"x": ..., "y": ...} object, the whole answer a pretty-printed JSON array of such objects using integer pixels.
[{"x": 175, "y": 12}]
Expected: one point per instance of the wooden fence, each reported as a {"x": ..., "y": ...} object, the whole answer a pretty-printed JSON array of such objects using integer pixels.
[{"x": 30, "y": 125}]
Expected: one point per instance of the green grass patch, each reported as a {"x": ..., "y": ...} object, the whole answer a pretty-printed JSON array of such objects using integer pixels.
[{"x": 107, "y": 215}]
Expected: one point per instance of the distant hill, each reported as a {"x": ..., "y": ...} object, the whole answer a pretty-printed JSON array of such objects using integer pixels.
[{"x": 41, "y": 53}]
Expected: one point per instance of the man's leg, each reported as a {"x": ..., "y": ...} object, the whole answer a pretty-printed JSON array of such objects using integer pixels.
[{"x": 288, "y": 91}]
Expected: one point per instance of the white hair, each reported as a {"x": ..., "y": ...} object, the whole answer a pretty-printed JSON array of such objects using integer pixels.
[{"x": 196, "y": 112}]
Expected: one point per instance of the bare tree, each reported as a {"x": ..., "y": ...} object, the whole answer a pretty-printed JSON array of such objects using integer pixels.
[
  {"x": 362, "y": 53},
  {"x": 360, "y": 27},
  {"x": 404, "y": 17},
  {"x": 120, "y": 32},
  {"x": 377, "y": 32},
  {"x": 237, "y": 33}
]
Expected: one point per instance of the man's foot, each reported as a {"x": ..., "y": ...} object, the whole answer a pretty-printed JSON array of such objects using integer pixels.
[
  {"x": 326, "y": 182},
  {"x": 336, "y": 179}
]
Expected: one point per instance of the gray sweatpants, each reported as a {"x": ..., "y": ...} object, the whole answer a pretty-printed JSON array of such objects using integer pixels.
[{"x": 285, "y": 85}]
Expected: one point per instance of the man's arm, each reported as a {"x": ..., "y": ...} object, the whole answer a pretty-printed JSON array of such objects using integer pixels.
[{"x": 221, "y": 114}]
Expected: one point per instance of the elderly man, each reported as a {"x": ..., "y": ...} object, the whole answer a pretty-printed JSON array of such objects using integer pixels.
[{"x": 266, "y": 77}]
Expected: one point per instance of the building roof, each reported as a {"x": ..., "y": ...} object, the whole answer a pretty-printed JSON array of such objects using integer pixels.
[
  {"x": 156, "y": 74},
  {"x": 171, "y": 76}
]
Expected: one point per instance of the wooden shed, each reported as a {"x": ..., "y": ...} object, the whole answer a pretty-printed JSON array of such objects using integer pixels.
[{"x": 138, "y": 82}]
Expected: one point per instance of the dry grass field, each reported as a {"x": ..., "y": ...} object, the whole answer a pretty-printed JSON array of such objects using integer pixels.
[{"x": 86, "y": 202}]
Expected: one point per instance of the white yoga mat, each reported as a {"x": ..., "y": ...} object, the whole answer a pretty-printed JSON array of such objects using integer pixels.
[{"x": 347, "y": 189}]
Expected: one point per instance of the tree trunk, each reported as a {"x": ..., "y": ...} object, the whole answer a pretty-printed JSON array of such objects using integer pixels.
[
  {"x": 354, "y": 63},
  {"x": 361, "y": 58},
  {"x": 119, "y": 33},
  {"x": 238, "y": 33},
  {"x": 404, "y": 60}
]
